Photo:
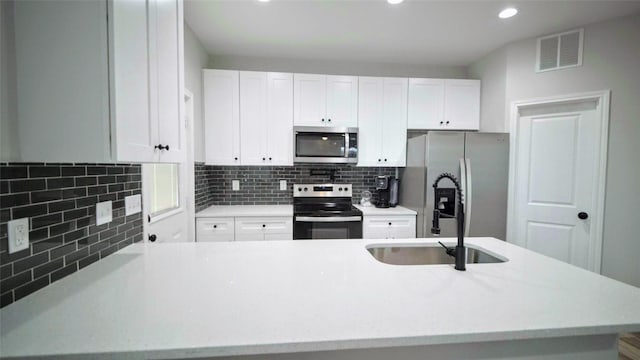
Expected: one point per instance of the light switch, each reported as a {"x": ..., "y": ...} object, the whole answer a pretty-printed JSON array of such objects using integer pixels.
[
  {"x": 18, "y": 234},
  {"x": 235, "y": 185},
  {"x": 103, "y": 213},
  {"x": 132, "y": 204},
  {"x": 283, "y": 185}
]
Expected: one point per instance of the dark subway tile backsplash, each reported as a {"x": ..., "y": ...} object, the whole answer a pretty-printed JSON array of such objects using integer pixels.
[
  {"x": 260, "y": 185},
  {"x": 59, "y": 200}
]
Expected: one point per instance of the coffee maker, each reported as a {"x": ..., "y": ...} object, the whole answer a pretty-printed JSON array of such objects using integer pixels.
[{"x": 387, "y": 191}]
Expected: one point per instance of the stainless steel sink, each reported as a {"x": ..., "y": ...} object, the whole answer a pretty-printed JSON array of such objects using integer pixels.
[{"x": 426, "y": 255}]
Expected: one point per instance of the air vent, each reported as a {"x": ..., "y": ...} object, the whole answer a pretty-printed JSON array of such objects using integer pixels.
[{"x": 560, "y": 51}]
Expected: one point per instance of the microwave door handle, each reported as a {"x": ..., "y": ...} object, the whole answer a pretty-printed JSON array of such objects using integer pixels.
[{"x": 346, "y": 145}]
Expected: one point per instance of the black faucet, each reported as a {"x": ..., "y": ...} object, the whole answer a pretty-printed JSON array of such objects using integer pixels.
[{"x": 459, "y": 253}]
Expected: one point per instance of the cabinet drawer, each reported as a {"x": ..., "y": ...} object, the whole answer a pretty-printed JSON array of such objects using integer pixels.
[
  {"x": 266, "y": 225},
  {"x": 389, "y": 227},
  {"x": 215, "y": 229}
]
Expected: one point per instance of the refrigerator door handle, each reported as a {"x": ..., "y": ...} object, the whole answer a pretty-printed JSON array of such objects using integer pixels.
[
  {"x": 468, "y": 196},
  {"x": 463, "y": 182}
]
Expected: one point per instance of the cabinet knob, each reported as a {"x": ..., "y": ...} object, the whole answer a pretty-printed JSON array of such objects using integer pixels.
[
  {"x": 441, "y": 122},
  {"x": 379, "y": 160},
  {"x": 269, "y": 158},
  {"x": 447, "y": 123},
  {"x": 322, "y": 120},
  {"x": 235, "y": 158},
  {"x": 161, "y": 147},
  {"x": 263, "y": 225},
  {"x": 263, "y": 159},
  {"x": 385, "y": 160},
  {"x": 152, "y": 237},
  {"x": 329, "y": 120},
  {"x": 389, "y": 224},
  {"x": 215, "y": 226}
]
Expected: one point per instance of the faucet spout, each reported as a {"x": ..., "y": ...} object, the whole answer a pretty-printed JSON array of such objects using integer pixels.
[{"x": 459, "y": 252}]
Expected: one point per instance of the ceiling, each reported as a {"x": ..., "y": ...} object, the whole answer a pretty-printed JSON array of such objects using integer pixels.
[{"x": 414, "y": 32}]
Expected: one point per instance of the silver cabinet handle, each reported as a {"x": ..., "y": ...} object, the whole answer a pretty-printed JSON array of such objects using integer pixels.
[{"x": 328, "y": 219}]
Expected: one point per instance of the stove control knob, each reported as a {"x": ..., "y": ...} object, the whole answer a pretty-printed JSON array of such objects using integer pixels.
[
  {"x": 346, "y": 189},
  {"x": 339, "y": 189},
  {"x": 305, "y": 189},
  {"x": 299, "y": 189}
]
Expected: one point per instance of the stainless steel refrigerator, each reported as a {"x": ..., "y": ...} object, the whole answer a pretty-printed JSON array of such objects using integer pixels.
[{"x": 480, "y": 162}]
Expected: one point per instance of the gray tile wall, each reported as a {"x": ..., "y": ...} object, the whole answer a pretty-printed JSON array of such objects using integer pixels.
[
  {"x": 59, "y": 200},
  {"x": 261, "y": 184}
]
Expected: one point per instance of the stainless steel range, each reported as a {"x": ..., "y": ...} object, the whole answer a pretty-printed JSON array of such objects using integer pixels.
[{"x": 325, "y": 211}]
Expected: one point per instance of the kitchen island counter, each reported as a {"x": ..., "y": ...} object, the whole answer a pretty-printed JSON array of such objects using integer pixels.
[{"x": 328, "y": 299}]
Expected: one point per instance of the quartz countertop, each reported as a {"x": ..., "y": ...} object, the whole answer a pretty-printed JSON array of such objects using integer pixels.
[
  {"x": 182, "y": 300},
  {"x": 245, "y": 210},
  {"x": 374, "y": 211}
]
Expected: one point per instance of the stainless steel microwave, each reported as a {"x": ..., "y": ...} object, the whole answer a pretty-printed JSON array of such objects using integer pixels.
[{"x": 336, "y": 145}]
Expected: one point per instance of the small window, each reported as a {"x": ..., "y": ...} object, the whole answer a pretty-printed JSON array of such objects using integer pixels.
[{"x": 165, "y": 185}]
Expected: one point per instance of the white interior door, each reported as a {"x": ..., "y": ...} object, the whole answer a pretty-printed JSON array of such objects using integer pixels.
[
  {"x": 168, "y": 192},
  {"x": 557, "y": 181}
]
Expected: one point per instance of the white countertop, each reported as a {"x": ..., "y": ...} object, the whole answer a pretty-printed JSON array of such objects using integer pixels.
[
  {"x": 374, "y": 211},
  {"x": 186, "y": 300},
  {"x": 245, "y": 210}
]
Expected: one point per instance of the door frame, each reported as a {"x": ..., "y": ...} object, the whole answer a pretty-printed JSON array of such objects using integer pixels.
[
  {"x": 189, "y": 165},
  {"x": 597, "y": 214}
]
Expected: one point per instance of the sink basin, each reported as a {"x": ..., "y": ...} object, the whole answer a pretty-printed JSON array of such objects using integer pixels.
[{"x": 426, "y": 255}]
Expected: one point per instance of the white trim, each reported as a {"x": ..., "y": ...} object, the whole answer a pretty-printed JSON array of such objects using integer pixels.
[
  {"x": 597, "y": 213},
  {"x": 189, "y": 165},
  {"x": 163, "y": 215}
]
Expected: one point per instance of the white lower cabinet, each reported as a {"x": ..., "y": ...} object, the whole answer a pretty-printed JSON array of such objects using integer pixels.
[
  {"x": 244, "y": 228},
  {"x": 389, "y": 227},
  {"x": 215, "y": 229}
]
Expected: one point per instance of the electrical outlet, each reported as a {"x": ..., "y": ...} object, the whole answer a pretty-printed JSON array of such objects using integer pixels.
[
  {"x": 18, "y": 234},
  {"x": 235, "y": 185},
  {"x": 103, "y": 213},
  {"x": 283, "y": 185},
  {"x": 132, "y": 204}
]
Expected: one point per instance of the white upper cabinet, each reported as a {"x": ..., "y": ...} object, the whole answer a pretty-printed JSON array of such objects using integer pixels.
[
  {"x": 248, "y": 117},
  {"x": 266, "y": 118},
  {"x": 121, "y": 69},
  {"x": 426, "y": 103},
  {"x": 280, "y": 119},
  {"x": 382, "y": 121},
  {"x": 462, "y": 105},
  {"x": 221, "y": 108},
  {"x": 325, "y": 100},
  {"x": 439, "y": 104}
]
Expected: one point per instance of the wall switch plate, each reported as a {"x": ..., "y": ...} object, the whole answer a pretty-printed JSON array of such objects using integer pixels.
[
  {"x": 18, "y": 234},
  {"x": 103, "y": 213},
  {"x": 235, "y": 185},
  {"x": 283, "y": 185},
  {"x": 132, "y": 204}
]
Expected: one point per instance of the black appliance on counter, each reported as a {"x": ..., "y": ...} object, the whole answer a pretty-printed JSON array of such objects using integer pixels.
[
  {"x": 387, "y": 191},
  {"x": 325, "y": 211}
]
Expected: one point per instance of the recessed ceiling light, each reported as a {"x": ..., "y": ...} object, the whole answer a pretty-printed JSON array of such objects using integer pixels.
[
  {"x": 507, "y": 13},
  {"x": 263, "y": 0},
  {"x": 394, "y": 2}
]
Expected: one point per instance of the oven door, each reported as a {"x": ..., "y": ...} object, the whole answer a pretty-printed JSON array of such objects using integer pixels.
[{"x": 316, "y": 227}]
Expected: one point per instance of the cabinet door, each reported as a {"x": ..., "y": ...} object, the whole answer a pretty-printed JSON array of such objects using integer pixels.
[
  {"x": 135, "y": 115},
  {"x": 166, "y": 35},
  {"x": 221, "y": 107},
  {"x": 426, "y": 103},
  {"x": 342, "y": 101},
  {"x": 375, "y": 227},
  {"x": 309, "y": 99},
  {"x": 253, "y": 118},
  {"x": 394, "y": 122},
  {"x": 370, "y": 103},
  {"x": 280, "y": 119},
  {"x": 214, "y": 229},
  {"x": 462, "y": 104},
  {"x": 402, "y": 227}
]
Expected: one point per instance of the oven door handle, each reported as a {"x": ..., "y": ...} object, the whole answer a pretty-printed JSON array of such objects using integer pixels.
[{"x": 328, "y": 219}]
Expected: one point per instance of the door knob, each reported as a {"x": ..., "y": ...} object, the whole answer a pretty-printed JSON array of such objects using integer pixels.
[
  {"x": 582, "y": 215},
  {"x": 152, "y": 237}
]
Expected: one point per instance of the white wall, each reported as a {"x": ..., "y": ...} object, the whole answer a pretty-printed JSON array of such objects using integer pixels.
[
  {"x": 492, "y": 69},
  {"x": 195, "y": 59},
  {"x": 611, "y": 61},
  {"x": 9, "y": 149},
  {"x": 335, "y": 67}
]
